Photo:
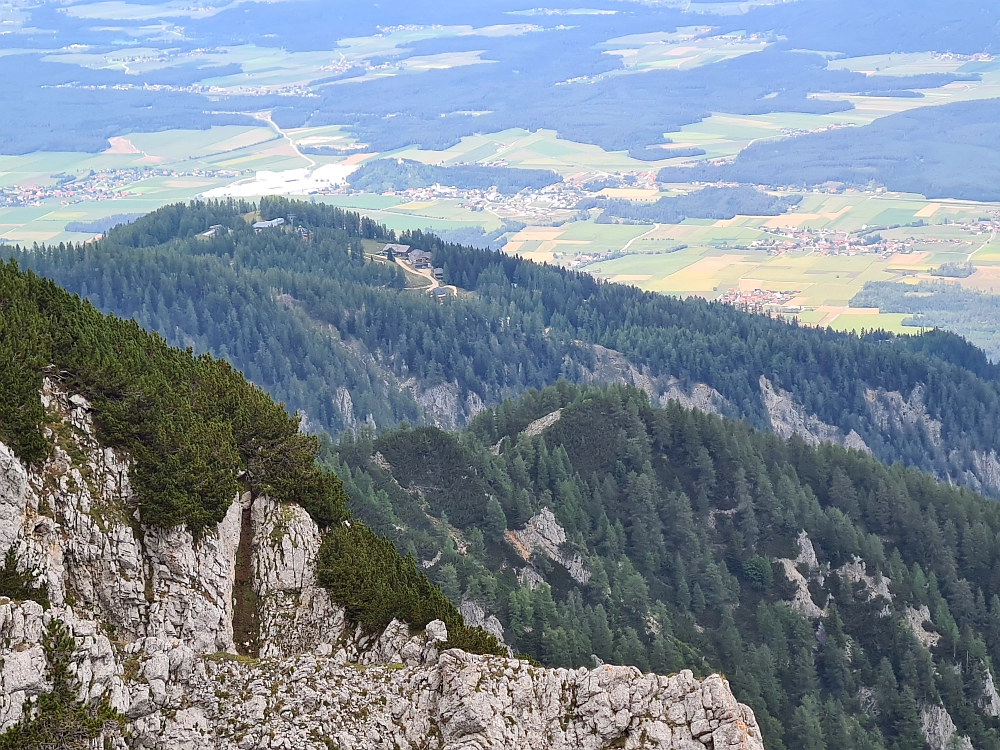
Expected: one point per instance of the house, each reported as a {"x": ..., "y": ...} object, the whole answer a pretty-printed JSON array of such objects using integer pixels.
[
  {"x": 212, "y": 231},
  {"x": 305, "y": 234},
  {"x": 439, "y": 294},
  {"x": 419, "y": 259},
  {"x": 439, "y": 274},
  {"x": 260, "y": 226},
  {"x": 402, "y": 250}
]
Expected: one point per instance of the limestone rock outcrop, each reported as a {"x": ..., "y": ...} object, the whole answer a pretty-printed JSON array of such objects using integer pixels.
[
  {"x": 159, "y": 620},
  {"x": 542, "y": 533},
  {"x": 789, "y": 418}
]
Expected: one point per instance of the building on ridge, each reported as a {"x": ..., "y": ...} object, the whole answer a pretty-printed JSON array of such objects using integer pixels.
[{"x": 260, "y": 226}]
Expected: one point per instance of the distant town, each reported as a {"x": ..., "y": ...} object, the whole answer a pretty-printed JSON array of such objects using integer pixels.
[
  {"x": 761, "y": 300},
  {"x": 105, "y": 185}
]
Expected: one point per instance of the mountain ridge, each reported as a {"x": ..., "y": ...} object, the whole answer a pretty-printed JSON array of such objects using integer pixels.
[
  {"x": 515, "y": 325},
  {"x": 140, "y": 626}
]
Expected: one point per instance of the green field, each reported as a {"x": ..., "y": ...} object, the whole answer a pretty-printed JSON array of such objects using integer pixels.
[
  {"x": 886, "y": 321},
  {"x": 702, "y": 257},
  {"x": 683, "y": 49},
  {"x": 270, "y": 69},
  {"x": 542, "y": 149},
  {"x": 239, "y": 149}
]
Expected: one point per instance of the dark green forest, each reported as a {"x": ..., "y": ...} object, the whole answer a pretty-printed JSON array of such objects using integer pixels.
[
  {"x": 198, "y": 434},
  {"x": 969, "y": 313},
  {"x": 676, "y": 516},
  {"x": 707, "y": 203},
  {"x": 402, "y": 174},
  {"x": 679, "y": 517},
  {"x": 914, "y": 152},
  {"x": 100, "y": 226},
  {"x": 302, "y": 320}
]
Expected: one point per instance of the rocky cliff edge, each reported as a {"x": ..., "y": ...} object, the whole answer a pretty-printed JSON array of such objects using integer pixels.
[{"x": 226, "y": 641}]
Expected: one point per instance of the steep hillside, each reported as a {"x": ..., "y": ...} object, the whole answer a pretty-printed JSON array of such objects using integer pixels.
[
  {"x": 851, "y": 604},
  {"x": 119, "y": 634},
  {"x": 157, "y": 509},
  {"x": 333, "y": 333}
]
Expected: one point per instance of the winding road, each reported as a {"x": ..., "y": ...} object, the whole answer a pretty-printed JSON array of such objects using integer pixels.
[{"x": 427, "y": 274}]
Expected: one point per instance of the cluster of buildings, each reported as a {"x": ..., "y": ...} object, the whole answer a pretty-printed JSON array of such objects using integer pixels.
[
  {"x": 297, "y": 90},
  {"x": 759, "y": 300},
  {"x": 304, "y": 233},
  {"x": 96, "y": 186},
  {"x": 538, "y": 204},
  {"x": 982, "y": 225},
  {"x": 585, "y": 259},
  {"x": 826, "y": 242},
  {"x": 419, "y": 260}
]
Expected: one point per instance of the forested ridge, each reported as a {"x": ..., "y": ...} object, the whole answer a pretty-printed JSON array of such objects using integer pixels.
[
  {"x": 681, "y": 519},
  {"x": 678, "y": 518},
  {"x": 197, "y": 434},
  {"x": 913, "y": 151},
  {"x": 311, "y": 321}
]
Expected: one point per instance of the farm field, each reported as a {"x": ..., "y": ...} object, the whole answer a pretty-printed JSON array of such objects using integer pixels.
[
  {"x": 686, "y": 48},
  {"x": 703, "y": 257},
  {"x": 722, "y": 135},
  {"x": 715, "y": 258},
  {"x": 179, "y": 164},
  {"x": 700, "y": 257}
]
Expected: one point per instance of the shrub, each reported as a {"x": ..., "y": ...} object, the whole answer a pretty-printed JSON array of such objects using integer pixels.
[
  {"x": 60, "y": 722},
  {"x": 375, "y": 584}
]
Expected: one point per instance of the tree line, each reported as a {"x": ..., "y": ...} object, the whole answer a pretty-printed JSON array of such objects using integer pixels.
[
  {"x": 312, "y": 321},
  {"x": 679, "y": 517}
]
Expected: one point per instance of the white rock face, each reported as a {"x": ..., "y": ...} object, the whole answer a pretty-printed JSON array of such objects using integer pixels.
[
  {"x": 475, "y": 616},
  {"x": 940, "y": 731},
  {"x": 699, "y": 396},
  {"x": 153, "y": 621},
  {"x": 803, "y": 601},
  {"x": 453, "y": 701},
  {"x": 543, "y": 534},
  {"x": 541, "y": 424},
  {"x": 916, "y": 618},
  {"x": 193, "y": 584},
  {"x": 345, "y": 405},
  {"x": 789, "y": 418},
  {"x": 611, "y": 366},
  {"x": 856, "y": 571},
  {"x": 990, "y": 702},
  {"x": 296, "y": 615},
  {"x": 13, "y": 484},
  {"x": 909, "y": 416}
]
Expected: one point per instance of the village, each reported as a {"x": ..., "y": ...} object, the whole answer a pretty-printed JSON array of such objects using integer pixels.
[
  {"x": 825, "y": 242},
  {"x": 761, "y": 300},
  {"x": 96, "y": 186},
  {"x": 867, "y": 241}
]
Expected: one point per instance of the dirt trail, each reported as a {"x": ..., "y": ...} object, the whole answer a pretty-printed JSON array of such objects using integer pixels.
[{"x": 428, "y": 274}]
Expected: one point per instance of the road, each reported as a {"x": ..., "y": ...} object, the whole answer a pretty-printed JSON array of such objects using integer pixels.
[
  {"x": 992, "y": 235},
  {"x": 266, "y": 117},
  {"x": 629, "y": 243},
  {"x": 428, "y": 274}
]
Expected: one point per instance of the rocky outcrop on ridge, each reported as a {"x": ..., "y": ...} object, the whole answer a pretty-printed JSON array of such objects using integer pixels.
[
  {"x": 909, "y": 418},
  {"x": 226, "y": 641},
  {"x": 789, "y": 418},
  {"x": 542, "y": 533}
]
